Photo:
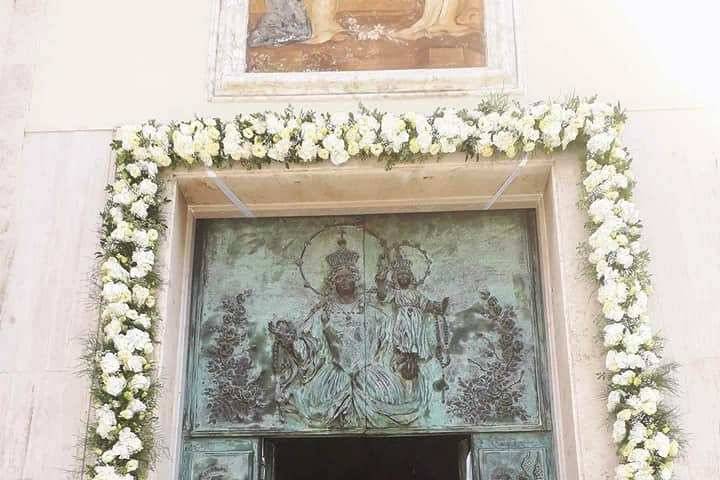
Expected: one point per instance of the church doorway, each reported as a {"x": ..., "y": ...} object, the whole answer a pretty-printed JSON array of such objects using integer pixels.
[{"x": 438, "y": 457}]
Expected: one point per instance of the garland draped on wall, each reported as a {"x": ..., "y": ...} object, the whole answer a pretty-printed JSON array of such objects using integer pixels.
[{"x": 124, "y": 390}]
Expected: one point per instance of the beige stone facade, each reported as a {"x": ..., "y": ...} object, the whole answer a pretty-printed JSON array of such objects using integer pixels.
[{"x": 70, "y": 71}]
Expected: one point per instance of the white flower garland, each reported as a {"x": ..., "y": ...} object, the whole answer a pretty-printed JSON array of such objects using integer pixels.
[{"x": 123, "y": 387}]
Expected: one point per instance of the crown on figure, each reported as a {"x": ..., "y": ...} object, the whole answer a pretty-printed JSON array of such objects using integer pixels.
[
  {"x": 342, "y": 257},
  {"x": 400, "y": 263}
]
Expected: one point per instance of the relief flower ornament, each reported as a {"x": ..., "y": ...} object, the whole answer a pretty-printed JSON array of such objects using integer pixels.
[{"x": 123, "y": 390}]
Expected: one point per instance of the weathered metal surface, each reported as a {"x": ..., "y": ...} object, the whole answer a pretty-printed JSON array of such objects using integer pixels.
[
  {"x": 226, "y": 459},
  {"x": 378, "y": 324},
  {"x": 513, "y": 456}
]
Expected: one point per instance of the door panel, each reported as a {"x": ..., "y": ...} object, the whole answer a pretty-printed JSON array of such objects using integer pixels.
[
  {"x": 516, "y": 456},
  {"x": 383, "y": 323},
  {"x": 266, "y": 344},
  {"x": 221, "y": 459},
  {"x": 476, "y": 357}
]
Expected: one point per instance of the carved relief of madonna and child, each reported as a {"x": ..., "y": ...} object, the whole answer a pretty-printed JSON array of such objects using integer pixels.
[
  {"x": 355, "y": 337},
  {"x": 345, "y": 364}
]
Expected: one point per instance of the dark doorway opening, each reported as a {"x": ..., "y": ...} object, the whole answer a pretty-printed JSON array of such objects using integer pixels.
[{"x": 371, "y": 458}]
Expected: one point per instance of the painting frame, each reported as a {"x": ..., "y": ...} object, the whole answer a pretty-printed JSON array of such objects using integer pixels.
[{"x": 228, "y": 79}]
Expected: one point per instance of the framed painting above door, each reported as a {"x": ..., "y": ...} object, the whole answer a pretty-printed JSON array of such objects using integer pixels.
[{"x": 263, "y": 48}]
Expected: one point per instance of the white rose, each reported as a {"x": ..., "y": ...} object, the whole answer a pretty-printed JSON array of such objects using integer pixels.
[
  {"x": 131, "y": 465},
  {"x": 613, "y": 311},
  {"x": 126, "y": 414},
  {"x": 139, "y": 209},
  {"x": 114, "y": 385},
  {"x": 623, "y": 257},
  {"x": 139, "y": 382},
  {"x": 109, "y": 363},
  {"x": 611, "y": 360},
  {"x": 128, "y": 443},
  {"x": 135, "y": 363},
  {"x": 338, "y": 157},
  {"x": 124, "y": 198},
  {"x": 600, "y": 209},
  {"x": 108, "y": 456},
  {"x": 614, "y": 334},
  {"x": 160, "y": 156},
  {"x": 625, "y": 414},
  {"x": 183, "y": 145},
  {"x": 106, "y": 421},
  {"x": 137, "y": 339},
  {"x": 660, "y": 444},
  {"x": 140, "y": 295},
  {"x": 600, "y": 143},
  {"x": 142, "y": 320},
  {"x": 258, "y": 150},
  {"x": 649, "y": 398},
  {"x": 637, "y": 434},
  {"x": 639, "y": 306},
  {"x": 136, "y": 406},
  {"x": 113, "y": 328},
  {"x": 504, "y": 140},
  {"x": 632, "y": 342},
  {"x": 123, "y": 232},
  {"x": 625, "y": 378},
  {"x": 115, "y": 310},
  {"x": 147, "y": 187},
  {"x": 133, "y": 169},
  {"x": 112, "y": 270},
  {"x": 150, "y": 167},
  {"x": 307, "y": 151},
  {"x": 141, "y": 238},
  {"x": 639, "y": 455},
  {"x": 128, "y": 136},
  {"x": 666, "y": 471},
  {"x": 116, "y": 292},
  {"x": 144, "y": 259}
]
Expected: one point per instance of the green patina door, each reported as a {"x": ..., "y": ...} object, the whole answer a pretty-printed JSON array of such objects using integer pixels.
[{"x": 380, "y": 324}]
